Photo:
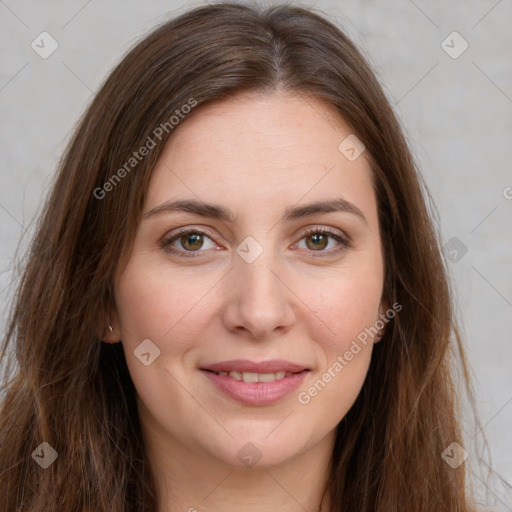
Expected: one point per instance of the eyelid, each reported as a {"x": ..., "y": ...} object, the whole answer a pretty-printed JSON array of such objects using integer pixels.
[{"x": 190, "y": 229}]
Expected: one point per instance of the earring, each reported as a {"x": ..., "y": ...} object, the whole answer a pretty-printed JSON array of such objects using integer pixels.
[{"x": 111, "y": 331}]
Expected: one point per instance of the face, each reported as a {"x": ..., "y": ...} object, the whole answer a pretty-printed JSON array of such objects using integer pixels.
[{"x": 255, "y": 286}]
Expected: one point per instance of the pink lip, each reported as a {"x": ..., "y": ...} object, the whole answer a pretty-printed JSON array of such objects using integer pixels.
[
  {"x": 244, "y": 365},
  {"x": 256, "y": 393}
]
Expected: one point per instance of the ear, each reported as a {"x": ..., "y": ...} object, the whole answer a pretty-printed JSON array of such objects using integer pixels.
[
  {"x": 384, "y": 306},
  {"x": 110, "y": 328},
  {"x": 382, "y": 318}
]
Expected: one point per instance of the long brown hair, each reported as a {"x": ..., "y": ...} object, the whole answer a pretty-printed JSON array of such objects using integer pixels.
[{"x": 64, "y": 387}]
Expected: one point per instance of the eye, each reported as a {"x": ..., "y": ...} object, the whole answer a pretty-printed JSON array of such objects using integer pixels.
[
  {"x": 191, "y": 241},
  {"x": 317, "y": 240}
]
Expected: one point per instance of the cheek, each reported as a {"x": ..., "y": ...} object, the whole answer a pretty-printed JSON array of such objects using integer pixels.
[
  {"x": 152, "y": 303},
  {"x": 341, "y": 309},
  {"x": 338, "y": 320},
  {"x": 162, "y": 306}
]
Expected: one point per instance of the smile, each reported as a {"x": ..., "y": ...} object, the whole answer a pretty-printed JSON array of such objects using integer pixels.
[
  {"x": 255, "y": 377},
  {"x": 250, "y": 388}
]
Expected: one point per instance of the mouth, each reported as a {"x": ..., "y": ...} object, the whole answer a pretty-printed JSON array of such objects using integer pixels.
[
  {"x": 252, "y": 383},
  {"x": 254, "y": 376},
  {"x": 264, "y": 367}
]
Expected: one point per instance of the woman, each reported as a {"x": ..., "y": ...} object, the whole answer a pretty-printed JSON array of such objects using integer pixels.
[{"x": 239, "y": 219}]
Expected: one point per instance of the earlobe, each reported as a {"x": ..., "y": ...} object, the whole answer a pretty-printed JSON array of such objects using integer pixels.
[
  {"x": 385, "y": 306},
  {"x": 110, "y": 331},
  {"x": 379, "y": 335},
  {"x": 110, "y": 335},
  {"x": 382, "y": 321}
]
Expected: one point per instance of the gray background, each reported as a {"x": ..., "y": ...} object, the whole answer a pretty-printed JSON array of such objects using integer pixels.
[{"x": 457, "y": 113}]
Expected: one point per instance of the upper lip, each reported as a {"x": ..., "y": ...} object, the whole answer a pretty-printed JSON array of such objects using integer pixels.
[{"x": 244, "y": 365}]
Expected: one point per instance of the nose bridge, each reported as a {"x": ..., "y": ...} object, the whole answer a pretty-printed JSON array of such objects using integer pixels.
[
  {"x": 258, "y": 299},
  {"x": 256, "y": 267}
]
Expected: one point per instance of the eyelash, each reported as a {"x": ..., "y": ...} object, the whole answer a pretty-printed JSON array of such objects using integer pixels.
[{"x": 345, "y": 243}]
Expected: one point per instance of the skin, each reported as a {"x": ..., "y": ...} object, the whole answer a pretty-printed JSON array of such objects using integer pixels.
[{"x": 255, "y": 155}]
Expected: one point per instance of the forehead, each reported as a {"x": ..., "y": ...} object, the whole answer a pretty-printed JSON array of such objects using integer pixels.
[{"x": 253, "y": 151}]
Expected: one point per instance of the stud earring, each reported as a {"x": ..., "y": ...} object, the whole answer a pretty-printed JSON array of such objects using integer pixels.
[{"x": 111, "y": 331}]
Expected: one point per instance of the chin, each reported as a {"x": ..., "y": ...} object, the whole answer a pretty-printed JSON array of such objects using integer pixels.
[{"x": 260, "y": 451}]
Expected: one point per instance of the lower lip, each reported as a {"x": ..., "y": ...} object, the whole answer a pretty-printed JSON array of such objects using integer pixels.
[{"x": 256, "y": 393}]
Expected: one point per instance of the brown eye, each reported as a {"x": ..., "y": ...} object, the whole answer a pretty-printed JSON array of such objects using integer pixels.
[
  {"x": 192, "y": 241},
  {"x": 318, "y": 241}
]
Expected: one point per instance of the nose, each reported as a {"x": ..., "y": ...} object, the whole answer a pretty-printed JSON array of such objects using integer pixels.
[{"x": 259, "y": 303}]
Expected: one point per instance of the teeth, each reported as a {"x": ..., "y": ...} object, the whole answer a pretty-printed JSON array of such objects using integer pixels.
[
  {"x": 255, "y": 377},
  {"x": 267, "y": 377},
  {"x": 249, "y": 377}
]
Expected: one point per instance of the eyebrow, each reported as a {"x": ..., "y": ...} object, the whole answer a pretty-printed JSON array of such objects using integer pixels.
[{"x": 215, "y": 211}]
